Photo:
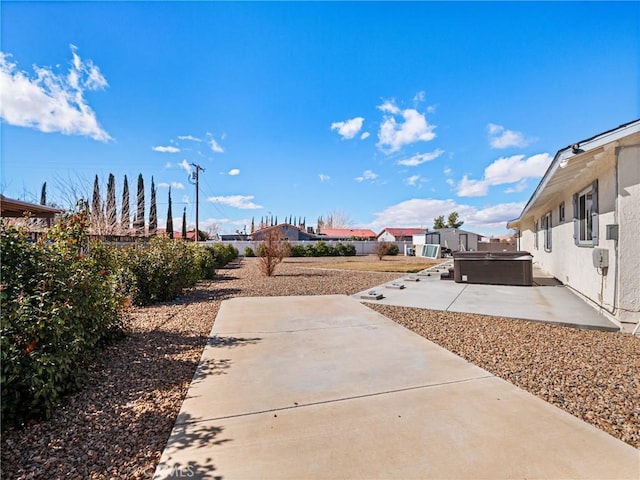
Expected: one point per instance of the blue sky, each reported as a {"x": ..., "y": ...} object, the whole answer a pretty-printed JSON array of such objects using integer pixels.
[{"x": 388, "y": 113}]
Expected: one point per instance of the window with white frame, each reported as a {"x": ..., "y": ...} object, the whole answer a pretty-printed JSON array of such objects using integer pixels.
[
  {"x": 535, "y": 235},
  {"x": 546, "y": 227},
  {"x": 585, "y": 216}
]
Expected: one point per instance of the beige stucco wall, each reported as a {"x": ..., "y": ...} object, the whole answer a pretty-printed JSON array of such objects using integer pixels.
[
  {"x": 619, "y": 203},
  {"x": 629, "y": 244}
]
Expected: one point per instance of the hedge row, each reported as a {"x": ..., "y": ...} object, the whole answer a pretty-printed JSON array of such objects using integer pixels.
[
  {"x": 321, "y": 249},
  {"x": 62, "y": 300}
]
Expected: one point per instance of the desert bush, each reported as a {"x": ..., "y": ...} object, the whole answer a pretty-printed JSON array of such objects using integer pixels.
[
  {"x": 272, "y": 251},
  {"x": 382, "y": 249},
  {"x": 393, "y": 249},
  {"x": 61, "y": 301},
  {"x": 248, "y": 252}
]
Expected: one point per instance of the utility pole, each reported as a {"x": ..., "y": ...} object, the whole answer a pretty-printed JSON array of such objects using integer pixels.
[{"x": 195, "y": 175}]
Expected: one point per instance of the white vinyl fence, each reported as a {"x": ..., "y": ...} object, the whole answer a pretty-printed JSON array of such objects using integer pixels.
[{"x": 362, "y": 247}]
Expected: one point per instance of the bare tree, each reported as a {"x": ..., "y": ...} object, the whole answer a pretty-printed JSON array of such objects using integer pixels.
[
  {"x": 337, "y": 219},
  {"x": 69, "y": 191},
  {"x": 272, "y": 251},
  {"x": 381, "y": 249}
]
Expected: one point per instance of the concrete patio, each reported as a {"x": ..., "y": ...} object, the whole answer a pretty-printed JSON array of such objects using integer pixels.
[
  {"x": 323, "y": 387},
  {"x": 552, "y": 303}
]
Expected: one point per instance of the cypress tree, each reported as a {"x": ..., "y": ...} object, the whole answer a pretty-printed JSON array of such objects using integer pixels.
[
  {"x": 153, "y": 214},
  {"x": 138, "y": 223},
  {"x": 125, "y": 216},
  {"x": 184, "y": 223},
  {"x": 96, "y": 206},
  {"x": 170, "y": 218},
  {"x": 111, "y": 204},
  {"x": 43, "y": 194}
]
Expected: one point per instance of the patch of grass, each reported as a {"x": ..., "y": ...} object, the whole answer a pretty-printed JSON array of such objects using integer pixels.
[{"x": 376, "y": 266}]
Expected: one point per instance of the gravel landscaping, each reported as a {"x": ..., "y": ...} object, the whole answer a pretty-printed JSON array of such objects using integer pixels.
[{"x": 118, "y": 424}]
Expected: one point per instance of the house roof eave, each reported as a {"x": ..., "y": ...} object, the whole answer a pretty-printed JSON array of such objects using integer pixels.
[{"x": 571, "y": 161}]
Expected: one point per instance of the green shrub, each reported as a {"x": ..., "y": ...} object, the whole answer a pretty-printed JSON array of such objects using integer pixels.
[
  {"x": 163, "y": 268},
  {"x": 393, "y": 249},
  {"x": 60, "y": 303},
  {"x": 348, "y": 250},
  {"x": 248, "y": 252},
  {"x": 298, "y": 251},
  {"x": 207, "y": 263},
  {"x": 321, "y": 249}
]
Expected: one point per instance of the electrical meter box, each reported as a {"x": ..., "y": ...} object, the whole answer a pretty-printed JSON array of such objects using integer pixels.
[{"x": 600, "y": 257}]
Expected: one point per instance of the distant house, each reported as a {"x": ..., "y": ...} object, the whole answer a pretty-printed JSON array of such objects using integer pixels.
[
  {"x": 582, "y": 223},
  {"x": 11, "y": 208},
  {"x": 504, "y": 243},
  {"x": 399, "y": 234},
  {"x": 453, "y": 239},
  {"x": 347, "y": 234},
  {"x": 177, "y": 234},
  {"x": 287, "y": 231}
]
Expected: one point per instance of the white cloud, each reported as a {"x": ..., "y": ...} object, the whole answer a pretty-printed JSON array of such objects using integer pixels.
[
  {"x": 389, "y": 106},
  {"x": 472, "y": 188},
  {"x": 189, "y": 137},
  {"x": 367, "y": 175},
  {"x": 506, "y": 170},
  {"x": 515, "y": 168},
  {"x": 447, "y": 171},
  {"x": 234, "y": 171},
  {"x": 185, "y": 200},
  {"x": 500, "y": 137},
  {"x": 50, "y": 101},
  {"x": 413, "y": 127},
  {"x": 420, "y": 97},
  {"x": 420, "y": 158},
  {"x": 215, "y": 146},
  {"x": 168, "y": 149},
  {"x": 412, "y": 180},
  {"x": 349, "y": 128},
  {"x": 364, "y": 135},
  {"x": 323, "y": 177},
  {"x": 236, "y": 201},
  {"x": 420, "y": 212},
  {"x": 185, "y": 165},
  {"x": 495, "y": 216},
  {"x": 176, "y": 185},
  {"x": 517, "y": 188}
]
